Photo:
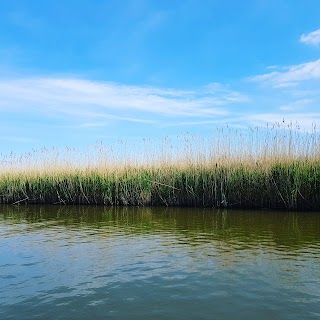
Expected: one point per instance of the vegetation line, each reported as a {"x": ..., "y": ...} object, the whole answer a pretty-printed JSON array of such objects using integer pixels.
[{"x": 274, "y": 168}]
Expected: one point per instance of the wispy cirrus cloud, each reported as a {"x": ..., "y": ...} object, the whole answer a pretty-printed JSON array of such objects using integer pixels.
[
  {"x": 38, "y": 109},
  {"x": 307, "y": 121},
  {"x": 292, "y": 92},
  {"x": 89, "y": 104},
  {"x": 93, "y": 99},
  {"x": 296, "y": 105},
  {"x": 290, "y": 76},
  {"x": 312, "y": 38}
]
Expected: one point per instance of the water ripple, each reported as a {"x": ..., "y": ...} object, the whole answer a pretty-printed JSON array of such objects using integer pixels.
[{"x": 140, "y": 263}]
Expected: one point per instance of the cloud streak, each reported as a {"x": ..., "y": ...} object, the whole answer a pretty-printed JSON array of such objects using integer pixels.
[
  {"x": 291, "y": 76},
  {"x": 37, "y": 109},
  {"x": 92, "y": 99},
  {"x": 312, "y": 38},
  {"x": 306, "y": 121},
  {"x": 93, "y": 104}
]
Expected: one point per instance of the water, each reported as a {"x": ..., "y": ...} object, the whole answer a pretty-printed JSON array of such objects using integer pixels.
[{"x": 142, "y": 263}]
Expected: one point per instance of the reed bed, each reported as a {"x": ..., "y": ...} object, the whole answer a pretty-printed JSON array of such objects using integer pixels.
[{"x": 276, "y": 167}]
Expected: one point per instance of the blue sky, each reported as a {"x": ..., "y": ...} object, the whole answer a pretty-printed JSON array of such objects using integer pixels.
[{"x": 76, "y": 72}]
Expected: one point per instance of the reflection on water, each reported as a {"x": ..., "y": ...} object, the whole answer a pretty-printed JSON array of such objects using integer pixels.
[{"x": 158, "y": 263}]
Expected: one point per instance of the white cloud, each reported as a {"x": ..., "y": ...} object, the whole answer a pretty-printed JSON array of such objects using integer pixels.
[
  {"x": 296, "y": 105},
  {"x": 92, "y": 99},
  {"x": 306, "y": 121},
  {"x": 95, "y": 107},
  {"x": 312, "y": 38},
  {"x": 291, "y": 76}
]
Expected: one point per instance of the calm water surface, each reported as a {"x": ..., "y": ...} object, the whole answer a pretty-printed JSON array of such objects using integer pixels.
[{"x": 142, "y": 263}]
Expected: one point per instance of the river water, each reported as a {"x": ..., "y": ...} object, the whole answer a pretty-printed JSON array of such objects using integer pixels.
[{"x": 163, "y": 263}]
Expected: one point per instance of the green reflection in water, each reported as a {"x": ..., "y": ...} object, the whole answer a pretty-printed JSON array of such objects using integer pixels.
[
  {"x": 283, "y": 230},
  {"x": 157, "y": 263}
]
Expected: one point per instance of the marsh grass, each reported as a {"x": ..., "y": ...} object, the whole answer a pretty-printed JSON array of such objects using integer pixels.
[{"x": 276, "y": 167}]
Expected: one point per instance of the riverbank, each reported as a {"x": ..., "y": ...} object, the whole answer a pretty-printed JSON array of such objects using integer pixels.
[
  {"x": 282, "y": 175},
  {"x": 292, "y": 185}
]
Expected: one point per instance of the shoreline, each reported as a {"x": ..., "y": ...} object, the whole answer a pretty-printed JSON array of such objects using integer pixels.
[
  {"x": 275, "y": 168},
  {"x": 283, "y": 185}
]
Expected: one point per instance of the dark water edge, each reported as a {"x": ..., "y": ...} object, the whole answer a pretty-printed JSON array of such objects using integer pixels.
[{"x": 76, "y": 262}]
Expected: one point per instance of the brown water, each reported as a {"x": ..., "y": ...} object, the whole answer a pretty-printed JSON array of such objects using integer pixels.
[{"x": 142, "y": 263}]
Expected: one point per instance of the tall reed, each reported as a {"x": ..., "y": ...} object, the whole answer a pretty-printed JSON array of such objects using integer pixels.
[{"x": 274, "y": 167}]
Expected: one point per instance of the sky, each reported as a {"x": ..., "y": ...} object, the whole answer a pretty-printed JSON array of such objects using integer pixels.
[{"x": 74, "y": 73}]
